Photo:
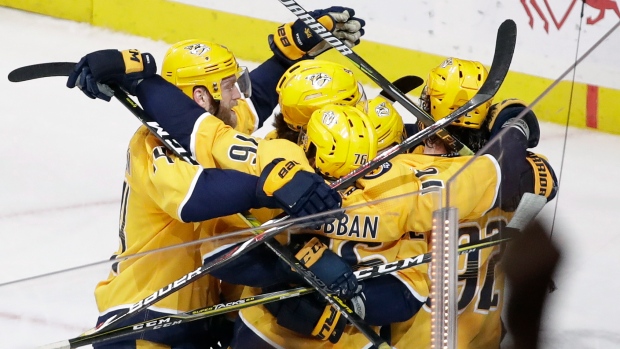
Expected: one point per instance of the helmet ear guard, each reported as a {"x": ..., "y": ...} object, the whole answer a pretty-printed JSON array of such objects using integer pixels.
[
  {"x": 194, "y": 62},
  {"x": 311, "y": 84},
  {"x": 341, "y": 138}
]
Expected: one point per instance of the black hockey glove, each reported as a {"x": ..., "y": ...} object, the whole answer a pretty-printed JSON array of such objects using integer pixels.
[
  {"x": 123, "y": 68},
  {"x": 295, "y": 41},
  {"x": 504, "y": 114},
  {"x": 310, "y": 316},
  {"x": 287, "y": 185},
  {"x": 327, "y": 266}
]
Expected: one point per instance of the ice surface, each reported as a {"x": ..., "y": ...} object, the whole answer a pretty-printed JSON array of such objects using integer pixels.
[{"x": 62, "y": 171}]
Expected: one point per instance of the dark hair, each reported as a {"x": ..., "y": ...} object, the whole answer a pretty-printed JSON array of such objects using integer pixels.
[
  {"x": 282, "y": 129},
  {"x": 472, "y": 138}
]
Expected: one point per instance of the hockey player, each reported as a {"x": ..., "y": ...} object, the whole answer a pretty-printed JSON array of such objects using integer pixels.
[
  {"x": 508, "y": 170},
  {"x": 309, "y": 85},
  {"x": 387, "y": 121},
  {"x": 338, "y": 139},
  {"x": 481, "y": 280},
  {"x": 162, "y": 197},
  {"x": 174, "y": 201},
  {"x": 389, "y": 299},
  {"x": 194, "y": 65}
]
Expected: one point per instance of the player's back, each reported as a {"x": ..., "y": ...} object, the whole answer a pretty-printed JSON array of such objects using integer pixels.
[
  {"x": 154, "y": 192},
  {"x": 416, "y": 173},
  {"x": 480, "y": 292}
]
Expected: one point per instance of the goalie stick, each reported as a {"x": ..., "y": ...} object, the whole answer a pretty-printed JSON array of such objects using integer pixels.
[
  {"x": 218, "y": 309},
  {"x": 509, "y": 26},
  {"x": 504, "y": 49}
]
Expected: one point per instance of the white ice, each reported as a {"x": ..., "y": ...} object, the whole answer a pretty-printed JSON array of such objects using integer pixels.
[{"x": 62, "y": 170}]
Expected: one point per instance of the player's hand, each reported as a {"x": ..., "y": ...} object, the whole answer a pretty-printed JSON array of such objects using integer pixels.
[
  {"x": 288, "y": 185},
  {"x": 327, "y": 266},
  {"x": 504, "y": 114},
  {"x": 309, "y": 316},
  {"x": 124, "y": 68},
  {"x": 295, "y": 41}
]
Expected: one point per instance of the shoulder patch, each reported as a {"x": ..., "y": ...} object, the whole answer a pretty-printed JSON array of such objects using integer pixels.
[{"x": 379, "y": 171}]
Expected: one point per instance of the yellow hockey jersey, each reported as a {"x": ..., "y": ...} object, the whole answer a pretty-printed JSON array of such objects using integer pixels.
[
  {"x": 480, "y": 292},
  {"x": 157, "y": 187},
  {"x": 376, "y": 230},
  {"x": 480, "y": 278}
]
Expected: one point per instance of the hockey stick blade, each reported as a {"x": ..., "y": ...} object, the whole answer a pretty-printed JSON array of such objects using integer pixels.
[
  {"x": 42, "y": 70},
  {"x": 405, "y": 84},
  {"x": 218, "y": 309}
]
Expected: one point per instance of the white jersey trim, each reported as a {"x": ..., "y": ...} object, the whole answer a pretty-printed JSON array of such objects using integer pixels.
[
  {"x": 192, "y": 187},
  {"x": 192, "y": 139},
  {"x": 128, "y": 306},
  {"x": 415, "y": 293},
  {"x": 217, "y": 250}
]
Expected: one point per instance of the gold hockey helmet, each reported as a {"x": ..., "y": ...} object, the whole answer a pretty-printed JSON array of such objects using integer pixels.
[
  {"x": 341, "y": 138},
  {"x": 194, "y": 62},
  {"x": 387, "y": 121},
  {"x": 450, "y": 86},
  {"x": 311, "y": 84}
]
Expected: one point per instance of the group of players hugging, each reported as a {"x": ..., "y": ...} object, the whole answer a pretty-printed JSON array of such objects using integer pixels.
[{"x": 324, "y": 128}]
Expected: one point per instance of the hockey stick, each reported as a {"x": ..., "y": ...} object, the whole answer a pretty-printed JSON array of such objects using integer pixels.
[
  {"x": 529, "y": 206},
  {"x": 502, "y": 58},
  {"x": 337, "y": 303},
  {"x": 41, "y": 70},
  {"x": 218, "y": 309},
  {"x": 172, "y": 144},
  {"x": 391, "y": 90},
  {"x": 404, "y": 84}
]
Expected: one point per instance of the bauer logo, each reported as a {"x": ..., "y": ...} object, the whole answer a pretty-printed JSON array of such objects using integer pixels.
[{"x": 316, "y": 27}]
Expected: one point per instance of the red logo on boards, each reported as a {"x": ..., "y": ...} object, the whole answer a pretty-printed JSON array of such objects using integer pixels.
[{"x": 559, "y": 13}]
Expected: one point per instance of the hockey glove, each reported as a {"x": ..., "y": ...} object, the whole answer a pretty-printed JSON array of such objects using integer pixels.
[
  {"x": 295, "y": 41},
  {"x": 124, "y": 68},
  {"x": 327, "y": 266},
  {"x": 504, "y": 114},
  {"x": 285, "y": 184},
  {"x": 309, "y": 316}
]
